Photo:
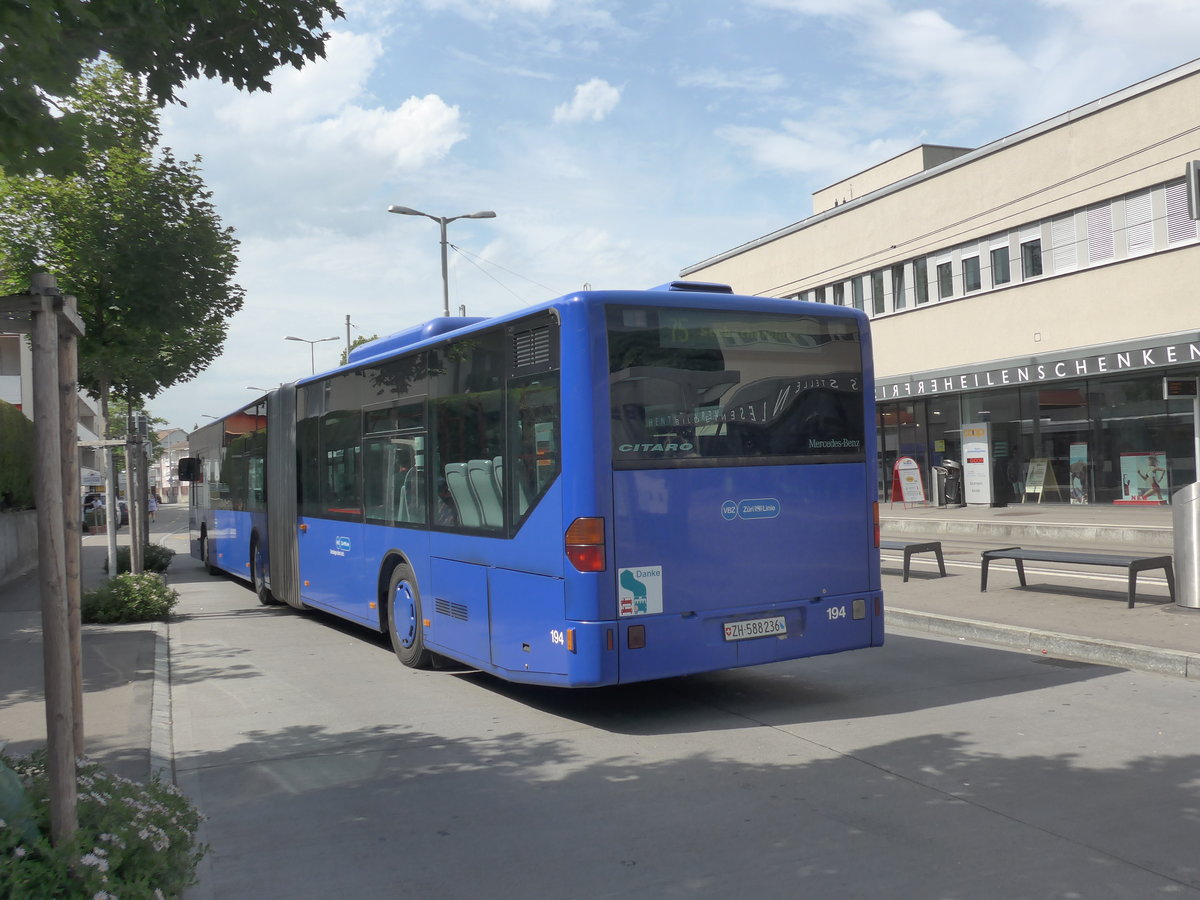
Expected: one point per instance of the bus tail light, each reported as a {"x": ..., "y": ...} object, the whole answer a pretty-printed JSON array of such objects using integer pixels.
[
  {"x": 585, "y": 544},
  {"x": 875, "y": 508}
]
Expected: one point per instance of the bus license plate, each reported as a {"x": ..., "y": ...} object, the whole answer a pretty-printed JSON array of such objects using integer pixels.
[{"x": 752, "y": 628}]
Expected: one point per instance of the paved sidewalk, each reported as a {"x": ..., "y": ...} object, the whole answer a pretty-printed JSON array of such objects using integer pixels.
[
  {"x": 1066, "y": 611},
  {"x": 125, "y": 675}
]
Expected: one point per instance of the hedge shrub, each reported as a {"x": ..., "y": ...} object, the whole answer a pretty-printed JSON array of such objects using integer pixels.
[
  {"x": 155, "y": 558},
  {"x": 135, "y": 841},
  {"x": 129, "y": 598},
  {"x": 16, "y": 459}
]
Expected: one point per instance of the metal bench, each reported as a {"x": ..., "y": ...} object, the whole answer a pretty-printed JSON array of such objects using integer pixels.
[
  {"x": 1134, "y": 564},
  {"x": 911, "y": 547}
]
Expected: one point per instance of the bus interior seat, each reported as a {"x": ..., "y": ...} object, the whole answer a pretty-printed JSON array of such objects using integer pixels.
[
  {"x": 483, "y": 486},
  {"x": 469, "y": 514}
]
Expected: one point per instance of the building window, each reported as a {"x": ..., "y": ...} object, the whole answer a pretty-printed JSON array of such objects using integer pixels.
[
  {"x": 877, "y": 291},
  {"x": 898, "y": 299},
  {"x": 1031, "y": 259},
  {"x": 856, "y": 289},
  {"x": 839, "y": 294},
  {"x": 970, "y": 271},
  {"x": 1000, "y": 272},
  {"x": 819, "y": 295},
  {"x": 945, "y": 277},
  {"x": 921, "y": 279}
]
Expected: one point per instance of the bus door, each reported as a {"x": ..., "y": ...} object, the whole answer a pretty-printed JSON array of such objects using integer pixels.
[{"x": 332, "y": 574}]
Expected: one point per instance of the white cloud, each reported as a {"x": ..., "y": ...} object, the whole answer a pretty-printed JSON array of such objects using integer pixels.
[
  {"x": 319, "y": 89},
  {"x": 745, "y": 80},
  {"x": 963, "y": 69},
  {"x": 487, "y": 10},
  {"x": 322, "y": 114},
  {"x": 817, "y": 149},
  {"x": 832, "y": 8},
  {"x": 593, "y": 100},
  {"x": 421, "y": 131}
]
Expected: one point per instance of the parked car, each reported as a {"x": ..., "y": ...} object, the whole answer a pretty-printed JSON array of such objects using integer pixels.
[{"x": 95, "y": 516}]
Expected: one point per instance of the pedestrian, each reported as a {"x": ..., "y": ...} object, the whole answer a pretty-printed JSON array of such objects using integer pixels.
[{"x": 152, "y": 505}]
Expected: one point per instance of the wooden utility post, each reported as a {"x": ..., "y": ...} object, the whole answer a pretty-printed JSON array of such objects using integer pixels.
[
  {"x": 68, "y": 386},
  {"x": 47, "y": 316},
  {"x": 136, "y": 491}
]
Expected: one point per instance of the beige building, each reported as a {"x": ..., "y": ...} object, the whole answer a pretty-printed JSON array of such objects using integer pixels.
[{"x": 1026, "y": 298}]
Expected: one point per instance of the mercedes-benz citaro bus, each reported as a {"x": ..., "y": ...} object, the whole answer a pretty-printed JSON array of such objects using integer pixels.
[{"x": 609, "y": 487}]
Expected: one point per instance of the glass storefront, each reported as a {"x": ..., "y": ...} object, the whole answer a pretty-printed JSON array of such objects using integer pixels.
[{"x": 1094, "y": 440}]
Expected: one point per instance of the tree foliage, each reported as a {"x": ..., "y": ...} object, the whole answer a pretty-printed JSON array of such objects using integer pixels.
[
  {"x": 355, "y": 344},
  {"x": 46, "y": 43},
  {"x": 135, "y": 237}
]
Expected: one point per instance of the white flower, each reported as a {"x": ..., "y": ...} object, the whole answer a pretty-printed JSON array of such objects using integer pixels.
[
  {"x": 19, "y": 852},
  {"x": 91, "y": 859}
]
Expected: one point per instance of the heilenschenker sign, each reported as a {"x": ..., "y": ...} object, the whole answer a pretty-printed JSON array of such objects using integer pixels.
[{"x": 1094, "y": 362}]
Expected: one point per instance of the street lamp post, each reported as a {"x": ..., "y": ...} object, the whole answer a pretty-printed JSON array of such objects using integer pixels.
[
  {"x": 443, "y": 221},
  {"x": 312, "y": 359}
]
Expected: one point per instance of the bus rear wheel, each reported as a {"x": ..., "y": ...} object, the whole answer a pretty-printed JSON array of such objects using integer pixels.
[
  {"x": 404, "y": 619},
  {"x": 212, "y": 570},
  {"x": 265, "y": 597}
]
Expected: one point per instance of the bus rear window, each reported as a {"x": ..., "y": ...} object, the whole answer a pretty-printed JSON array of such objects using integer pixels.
[{"x": 706, "y": 387}]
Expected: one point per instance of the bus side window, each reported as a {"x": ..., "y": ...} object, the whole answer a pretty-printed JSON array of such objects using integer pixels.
[{"x": 535, "y": 460}]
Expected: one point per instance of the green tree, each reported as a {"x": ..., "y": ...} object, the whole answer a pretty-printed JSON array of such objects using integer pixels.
[
  {"x": 46, "y": 44},
  {"x": 135, "y": 237},
  {"x": 355, "y": 344}
]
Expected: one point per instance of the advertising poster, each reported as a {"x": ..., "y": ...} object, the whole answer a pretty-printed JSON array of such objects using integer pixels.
[
  {"x": 1144, "y": 478},
  {"x": 906, "y": 476},
  {"x": 1080, "y": 488},
  {"x": 1035, "y": 476},
  {"x": 977, "y": 464}
]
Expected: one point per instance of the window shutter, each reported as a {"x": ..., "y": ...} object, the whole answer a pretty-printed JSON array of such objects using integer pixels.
[
  {"x": 1180, "y": 227},
  {"x": 1062, "y": 238},
  {"x": 1100, "y": 232},
  {"x": 1139, "y": 225}
]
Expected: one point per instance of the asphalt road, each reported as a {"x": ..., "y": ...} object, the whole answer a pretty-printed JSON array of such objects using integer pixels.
[{"x": 924, "y": 769}]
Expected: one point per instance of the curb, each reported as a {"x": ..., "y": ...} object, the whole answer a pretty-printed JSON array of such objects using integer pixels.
[
  {"x": 1051, "y": 643},
  {"x": 162, "y": 740}
]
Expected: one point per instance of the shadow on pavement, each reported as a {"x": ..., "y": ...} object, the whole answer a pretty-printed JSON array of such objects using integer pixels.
[{"x": 937, "y": 816}]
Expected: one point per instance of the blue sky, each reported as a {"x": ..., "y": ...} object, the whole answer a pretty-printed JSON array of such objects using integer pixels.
[{"x": 617, "y": 141}]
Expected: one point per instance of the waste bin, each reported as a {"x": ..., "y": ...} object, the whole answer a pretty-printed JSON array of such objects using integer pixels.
[
  {"x": 1185, "y": 506},
  {"x": 953, "y": 482},
  {"x": 939, "y": 485}
]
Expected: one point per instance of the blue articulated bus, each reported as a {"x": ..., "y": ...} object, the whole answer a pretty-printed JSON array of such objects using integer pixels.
[{"x": 609, "y": 487}]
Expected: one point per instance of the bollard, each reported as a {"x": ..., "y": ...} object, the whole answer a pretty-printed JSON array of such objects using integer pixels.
[{"x": 1185, "y": 506}]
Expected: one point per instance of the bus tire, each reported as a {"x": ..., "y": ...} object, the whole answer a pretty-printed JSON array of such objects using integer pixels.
[
  {"x": 212, "y": 570},
  {"x": 404, "y": 619},
  {"x": 265, "y": 597}
]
